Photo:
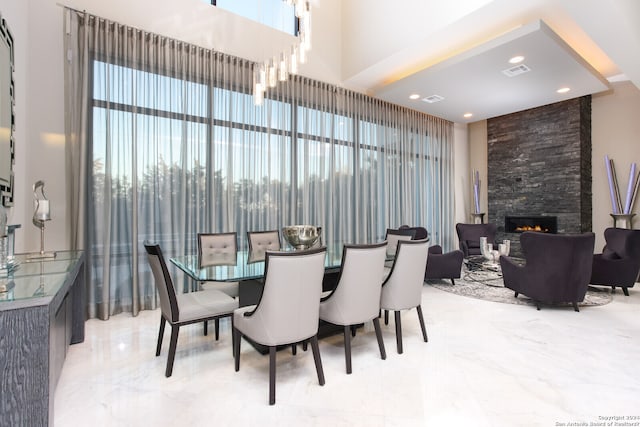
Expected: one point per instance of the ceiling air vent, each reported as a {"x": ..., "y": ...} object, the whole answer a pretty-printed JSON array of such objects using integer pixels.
[
  {"x": 433, "y": 98},
  {"x": 517, "y": 70}
]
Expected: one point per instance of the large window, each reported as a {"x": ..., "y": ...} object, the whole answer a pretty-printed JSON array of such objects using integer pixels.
[
  {"x": 175, "y": 146},
  {"x": 277, "y": 14}
]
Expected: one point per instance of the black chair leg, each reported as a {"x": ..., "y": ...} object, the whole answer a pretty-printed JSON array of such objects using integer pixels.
[
  {"x": 353, "y": 330},
  {"x": 160, "y": 335},
  {"x": 538, "y": 305},
  {"x": 347, "y": 348},
  {"x": 575, "y": 307},
  {"x": 316, "y": 358},
  {"x": 386, "y": 317},
  {"x": 626, "y": 291},
  {"x": 272, "y": 375},
  {"x": 236, "y": 342},
  {"x": 516, "y": 295},
  {"x": 304, "y": 345},
  {"x": 233, "y": 339},
  {"x": 453, "y": 282},
  {"x": 294, "y": 349},
  {"x": 172, "y": 350},
  {"x": 376, "y": 325},
  {"x": 217, "y": 323},
  {"x": 421, "y": 319},
  {"x": 398, "y": 332},
  {"x": 205, "y": 327}
]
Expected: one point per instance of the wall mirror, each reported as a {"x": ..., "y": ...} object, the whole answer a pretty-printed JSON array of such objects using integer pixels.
[{"x": 7, "y": 116}]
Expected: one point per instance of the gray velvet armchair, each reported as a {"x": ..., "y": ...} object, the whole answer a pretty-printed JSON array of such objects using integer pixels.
[
  {"x": 619, "y": 262},
  {"x": 443, "y": 266},
  {"x": 469, "y": 237},
  {"x": 557, "y": 270}
]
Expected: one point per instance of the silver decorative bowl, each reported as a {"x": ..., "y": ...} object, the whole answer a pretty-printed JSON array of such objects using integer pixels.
[{"x": 301, "y": 236}]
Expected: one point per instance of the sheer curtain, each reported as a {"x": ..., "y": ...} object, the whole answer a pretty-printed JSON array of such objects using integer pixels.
[{"x": 164, "y": 141}]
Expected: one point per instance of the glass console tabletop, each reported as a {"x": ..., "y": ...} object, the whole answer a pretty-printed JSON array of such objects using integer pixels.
[{"x": 27, "y": 278}]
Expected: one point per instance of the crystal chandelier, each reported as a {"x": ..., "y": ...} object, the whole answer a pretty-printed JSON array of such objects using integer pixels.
[{"x": 267, "y": 74}]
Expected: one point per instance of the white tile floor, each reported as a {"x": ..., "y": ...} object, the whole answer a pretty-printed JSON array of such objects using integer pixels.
[{"x": 486, "y": 364}]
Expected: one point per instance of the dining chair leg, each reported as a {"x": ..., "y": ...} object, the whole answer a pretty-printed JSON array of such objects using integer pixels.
[
  {"x": 398, "y": 332},
  {"x": 233, "y": 339},
  {"x": 294, "y": 349},
  {"x": 160, "y": 335},
  {"x": 421, "y": 319},
  {"x": 172, "y": 350},
  {"x": 217, "y": 323},
  {"x": 386, "y": 317},
  {"x": 272, "y": 375},
  {"x": 625, "y": 291},
  {"x": 376, "y": 325},
  {"x": 316, "y": 358},
  {"x": 237, "y": 338},
  {"x": 304, "y": 346},
  {"x": 353, "y": 330},
  {"x": 347, "y": 348},
  {"x": 575, "y": 307},
  {"x": 206, "y": 327}
]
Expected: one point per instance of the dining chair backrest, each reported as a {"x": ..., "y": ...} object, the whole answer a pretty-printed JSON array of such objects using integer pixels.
[
  {"x": 403, "y": 287},
  {"x": 262, "y": 241},
  {"x": 356, "y": 298},
  {"x": 393, "y": 236},
  {"x": 163, "y": 282},
  {"x": 217, "y": 249},
  {"x": 289, "y": 306}
]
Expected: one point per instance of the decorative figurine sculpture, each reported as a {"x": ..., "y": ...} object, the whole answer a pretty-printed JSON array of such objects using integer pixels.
[{"x": 41, "y": 214}]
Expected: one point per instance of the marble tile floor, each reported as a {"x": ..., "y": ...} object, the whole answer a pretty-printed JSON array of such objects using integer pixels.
[{"x": 486, "y": 364}]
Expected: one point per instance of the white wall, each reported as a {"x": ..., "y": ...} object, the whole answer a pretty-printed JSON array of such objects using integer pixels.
[
  {"x": 37, "y": 27},
  {"x": 615, "y": 131},
  {"x": 478, "y": 151},
  {"x": 462, "y": 173}
]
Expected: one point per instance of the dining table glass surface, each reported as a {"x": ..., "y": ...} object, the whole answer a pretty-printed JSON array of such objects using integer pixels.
[{"x": 244, "y": 266}]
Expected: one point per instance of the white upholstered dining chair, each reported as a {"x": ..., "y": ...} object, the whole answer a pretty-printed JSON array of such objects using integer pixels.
[
  {"x": 262, "y": 241},
  {"x": 216, "y": 249},
  {"x": 393, "y": 236},
  {"x": 287, "y": 312},
  {"x": 356, "y": 297},
  {"x": 402, "y": 290},
  {"x": 182, "y": 309}
]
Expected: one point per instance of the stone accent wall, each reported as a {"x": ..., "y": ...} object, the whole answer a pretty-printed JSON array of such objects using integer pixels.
[{"x": 539, "y": 163}]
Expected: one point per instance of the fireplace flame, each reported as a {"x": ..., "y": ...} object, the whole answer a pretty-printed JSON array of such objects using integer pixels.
[{"x": 532, "y": 228}]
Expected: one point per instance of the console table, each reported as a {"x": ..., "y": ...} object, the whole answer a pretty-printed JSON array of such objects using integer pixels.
[{"x": 42, "y": 312}]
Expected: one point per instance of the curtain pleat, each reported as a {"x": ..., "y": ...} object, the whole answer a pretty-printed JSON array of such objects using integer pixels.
[{"x": 164, "y": 141}]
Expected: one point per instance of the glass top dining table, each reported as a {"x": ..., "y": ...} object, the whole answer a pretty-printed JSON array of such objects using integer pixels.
[{"x": 244, "y": 266}]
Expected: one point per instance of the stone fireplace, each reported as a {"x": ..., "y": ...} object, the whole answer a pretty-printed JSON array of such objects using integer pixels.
[
  {"x": 520, "y": 224},
  {"x": 539, "y": 166}
]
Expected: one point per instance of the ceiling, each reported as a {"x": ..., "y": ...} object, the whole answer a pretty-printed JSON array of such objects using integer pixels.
[{"x": 471, "y": 80}]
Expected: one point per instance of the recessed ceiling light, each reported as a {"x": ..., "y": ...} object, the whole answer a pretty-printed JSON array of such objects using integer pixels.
[
  {"x": 516, "y": 59},
  {"x": 563, "y": 90},
  {"x": 414, "y": 96},
  {"x": 467, "y": 115}
]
